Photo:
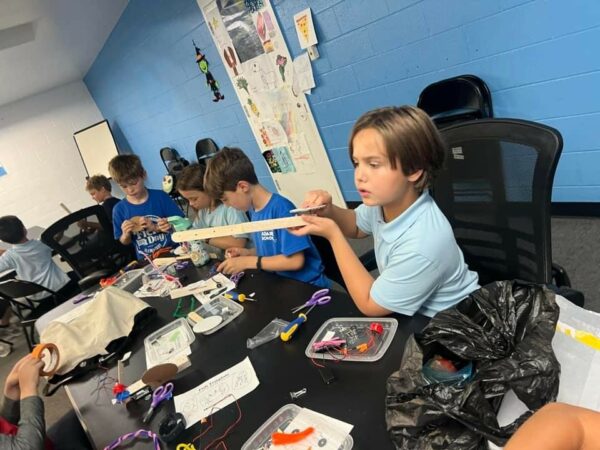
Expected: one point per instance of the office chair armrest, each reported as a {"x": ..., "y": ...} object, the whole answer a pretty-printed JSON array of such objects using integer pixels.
[
  {"x": 560, "y": 276},
  {"x": 93, "y": 279},
  {"x": 368, "y": 260}
]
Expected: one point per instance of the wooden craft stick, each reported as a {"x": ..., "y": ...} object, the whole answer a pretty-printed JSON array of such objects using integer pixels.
[
  {"x": 63, "y": 206},
  {"x": 159, "y": 262},
  {"x": 240, "y": 228}
]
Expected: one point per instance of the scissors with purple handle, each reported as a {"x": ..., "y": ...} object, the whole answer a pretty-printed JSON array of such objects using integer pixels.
[
  {"x": 161, "y": 393},
  {"x": 318, "y": 298}
]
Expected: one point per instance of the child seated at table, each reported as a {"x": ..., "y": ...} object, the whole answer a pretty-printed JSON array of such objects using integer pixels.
[
  {"x": 396, "y": 153},
  {"x": 141, "y": 217},
  {"x": 210, "y": 212},
  {"x": 100, "y": 189},
  {"x": 231, "y": 178},
  {"x": 32, "y": 260}
]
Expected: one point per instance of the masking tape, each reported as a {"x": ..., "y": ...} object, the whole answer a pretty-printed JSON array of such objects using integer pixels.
[{"x": 48, "y": 353}]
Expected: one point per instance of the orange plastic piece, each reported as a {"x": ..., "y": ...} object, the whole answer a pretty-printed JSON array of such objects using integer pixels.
[{"x": 291, "y": 438}]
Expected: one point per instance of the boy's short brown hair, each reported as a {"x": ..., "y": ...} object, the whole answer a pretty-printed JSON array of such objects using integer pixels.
[
  {"x": 98, "y": 182},
  {"x": 410, "y": 137},
  {"x": 124, "y": 168},
  {"x": 12, "y": 230},
  {"x": 226, "y": 169}
]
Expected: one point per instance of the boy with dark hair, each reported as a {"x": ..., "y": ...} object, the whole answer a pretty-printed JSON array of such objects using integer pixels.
[
  {"x": 100, "y": 189},
  {"x": 141, "y": 217},
  {"x": 230, "y": 177},
  {"x": 32, "y": 260}
]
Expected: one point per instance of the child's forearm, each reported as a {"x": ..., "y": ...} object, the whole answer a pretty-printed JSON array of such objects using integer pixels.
[
  {"x": 226, "y": 242},
  {"x": 358, "y": 280},
  {"x": 280, "y": 263},
  {"x": 346, "y": 220},
  {"x": 125, "y": 239}
]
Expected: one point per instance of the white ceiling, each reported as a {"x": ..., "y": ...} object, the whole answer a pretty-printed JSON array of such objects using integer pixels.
[{"x": 48, "y": 43}]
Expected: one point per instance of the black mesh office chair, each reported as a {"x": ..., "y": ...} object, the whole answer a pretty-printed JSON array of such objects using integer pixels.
[
  {"x": 28, "y": 310},
  {"x": 495, "y": 190},
  {"x": 457, "y": 99},
  {"x": 84, "y": 240},
  {"x": 205, "y": 149}
]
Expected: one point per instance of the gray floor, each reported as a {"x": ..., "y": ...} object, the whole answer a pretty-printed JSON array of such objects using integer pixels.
[{"x": 575, "y": 246}]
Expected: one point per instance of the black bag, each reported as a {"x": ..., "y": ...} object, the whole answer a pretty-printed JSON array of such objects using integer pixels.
[{"x": 505, "y": 329}]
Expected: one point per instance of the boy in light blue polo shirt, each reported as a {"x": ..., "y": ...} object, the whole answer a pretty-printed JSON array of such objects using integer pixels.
[
  {"x": 396, "y": 152},
  {"x": 230, "y": 177}
]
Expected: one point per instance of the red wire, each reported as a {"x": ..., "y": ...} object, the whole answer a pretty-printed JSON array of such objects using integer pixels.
[{"x": 220, "y": 440}]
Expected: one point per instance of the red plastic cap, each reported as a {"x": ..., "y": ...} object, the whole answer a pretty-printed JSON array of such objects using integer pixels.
[{"x": 376, "y": 327}]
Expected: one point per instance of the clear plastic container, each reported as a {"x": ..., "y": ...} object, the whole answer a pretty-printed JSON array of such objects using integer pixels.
[
  {"x": 130, "y": 281},
  {"x": 271, "y": 331},
  {"x": 219, "y": 306},
  {"x": 261, "y": 439},
  {"x": 355, "y": 330},
  {"x": 168, "y": 342}
]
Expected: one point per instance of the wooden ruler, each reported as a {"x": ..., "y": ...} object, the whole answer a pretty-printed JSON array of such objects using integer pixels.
[{"x": 240, "y": 228}]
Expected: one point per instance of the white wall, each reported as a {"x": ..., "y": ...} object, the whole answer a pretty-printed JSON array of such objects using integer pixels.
[{"x": 40, "y": 156}]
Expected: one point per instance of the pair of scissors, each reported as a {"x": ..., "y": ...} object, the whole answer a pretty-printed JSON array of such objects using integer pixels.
[
  {"x": 164, "y": 392},
  {"x": 318, "y": 298},
  {"x": 236, "y": 277}
]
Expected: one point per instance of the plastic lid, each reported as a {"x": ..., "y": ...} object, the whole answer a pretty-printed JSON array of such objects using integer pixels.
[
  {"x": 356, "y": 332},
  {"x": 261, "y": 439}
]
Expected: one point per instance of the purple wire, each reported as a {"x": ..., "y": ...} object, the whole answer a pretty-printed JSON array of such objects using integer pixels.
[{"x": 139, "y": 434}]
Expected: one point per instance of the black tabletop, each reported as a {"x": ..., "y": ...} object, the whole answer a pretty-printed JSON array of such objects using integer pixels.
[{"x": 357, "y": 395}]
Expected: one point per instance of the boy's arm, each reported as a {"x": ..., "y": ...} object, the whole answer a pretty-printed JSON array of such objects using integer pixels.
[
  {"x": 5, "y": 261},
  {"x": 226, "y": 242},
  {"x": 273, "y": 263},
  {"x": 345, "y": 218}
]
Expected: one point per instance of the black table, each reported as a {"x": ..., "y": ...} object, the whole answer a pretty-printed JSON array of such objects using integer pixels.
[{"x": 357, "y": 396}]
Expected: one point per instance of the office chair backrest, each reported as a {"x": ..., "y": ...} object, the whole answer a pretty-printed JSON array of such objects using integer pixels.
[
  {"x": 86, "y": 249},
  {"x": 456, "y": 99},
  {"x": 495, "y": 190},
  {"x": 205, "y": 149},
  {"x": 173, "y": 161}
]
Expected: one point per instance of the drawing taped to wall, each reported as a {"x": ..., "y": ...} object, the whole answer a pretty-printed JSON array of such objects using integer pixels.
[
  {"x": 279, "y": 117},
  {"x": 210, "y": 80}
]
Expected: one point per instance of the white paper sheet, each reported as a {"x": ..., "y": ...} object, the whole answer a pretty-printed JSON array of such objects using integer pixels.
[
  {"x": 216, "y": 393},
  {"x": 303, "y": 74}
]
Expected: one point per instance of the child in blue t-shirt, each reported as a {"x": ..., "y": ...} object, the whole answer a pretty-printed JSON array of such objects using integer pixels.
[
  {"x": 210, "y": 212},
  {"x": 396, "y": 152},
  {"x": 230, "y": 177},
  {"x": 141, "y": 217}
]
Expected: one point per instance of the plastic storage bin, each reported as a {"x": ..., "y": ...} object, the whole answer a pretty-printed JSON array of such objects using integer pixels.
[
  {"x": 219, "y": 306},
  {"x": 168, "y": 342},
  {"x": 261, "y": 439},
  {"x": 355, "y": 330}
]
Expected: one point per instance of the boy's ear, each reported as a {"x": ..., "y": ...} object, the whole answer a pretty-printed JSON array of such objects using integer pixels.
[
  {"x": 243, "y": 186},
  {"x": 415, "y": 176}
]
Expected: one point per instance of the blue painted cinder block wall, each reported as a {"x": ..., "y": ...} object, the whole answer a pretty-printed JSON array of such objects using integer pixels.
[{"x": 539, "y": 58}]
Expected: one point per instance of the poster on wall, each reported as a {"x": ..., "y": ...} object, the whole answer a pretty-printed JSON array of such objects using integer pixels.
[{"x": 262, "y": 73}]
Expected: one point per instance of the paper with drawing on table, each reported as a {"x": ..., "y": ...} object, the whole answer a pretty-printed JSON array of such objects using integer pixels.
[{"x": 216, "y": 393}]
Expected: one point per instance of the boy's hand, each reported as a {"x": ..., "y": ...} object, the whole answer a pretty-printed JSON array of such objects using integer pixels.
[
  {"x": 237, "y": 264},
  {"x": 319, "y": 226},
  {"x": 29, "y": 376},
  {"x": 11, "y": 386},
  {"x": 127, "y": 227},
  {"x": 150, "y": 225},
  {"x": 234, "y": 252},
  {"x": 163, "y": 225},
  {"x": 318, "y": 198}
]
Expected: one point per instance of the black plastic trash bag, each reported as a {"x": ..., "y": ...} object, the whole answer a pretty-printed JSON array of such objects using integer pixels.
[{"x": 505, "y": 329}]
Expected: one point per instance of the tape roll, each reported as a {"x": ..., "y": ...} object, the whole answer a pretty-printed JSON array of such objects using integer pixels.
[{"x": 49, "y": 355}]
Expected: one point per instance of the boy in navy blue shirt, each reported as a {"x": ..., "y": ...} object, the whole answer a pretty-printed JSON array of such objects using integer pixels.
[
  {"x": 141, "y": 216},
  {"x": 230, "y": 177}
]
